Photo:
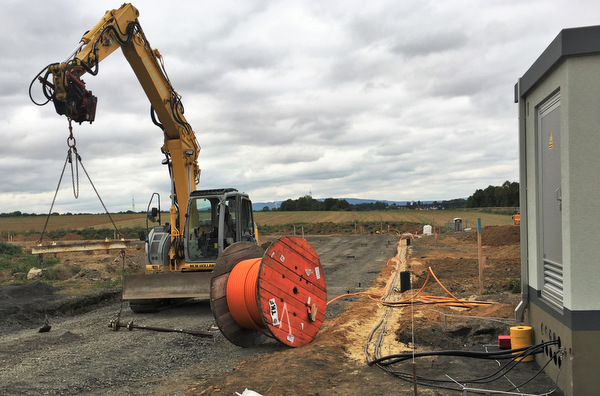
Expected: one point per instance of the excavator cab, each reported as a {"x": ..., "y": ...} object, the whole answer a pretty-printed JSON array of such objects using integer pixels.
[{"x": 216, "y": 219}]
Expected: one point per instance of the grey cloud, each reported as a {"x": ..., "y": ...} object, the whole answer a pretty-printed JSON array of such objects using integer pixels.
[
  {"x": 395, "y": 100},
  {"x": 325, "y": 127},
  {"x": 436, "y": 41}
]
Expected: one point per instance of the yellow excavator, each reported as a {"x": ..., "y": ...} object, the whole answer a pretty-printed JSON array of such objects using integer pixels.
[{"x": 180, "y": 255}]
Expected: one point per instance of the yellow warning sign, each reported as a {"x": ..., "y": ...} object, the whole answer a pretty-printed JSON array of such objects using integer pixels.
[{"x": 550, "y": 142}]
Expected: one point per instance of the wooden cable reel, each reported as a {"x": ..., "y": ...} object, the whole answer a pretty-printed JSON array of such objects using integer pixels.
[{"x": 279, "y": 292}]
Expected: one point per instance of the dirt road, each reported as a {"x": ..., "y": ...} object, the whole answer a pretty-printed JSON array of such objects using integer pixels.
[{"x": 82, "y": 355}]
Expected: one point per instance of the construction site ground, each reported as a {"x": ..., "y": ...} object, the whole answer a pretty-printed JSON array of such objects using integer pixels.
[{"x": 81, "y": 354}]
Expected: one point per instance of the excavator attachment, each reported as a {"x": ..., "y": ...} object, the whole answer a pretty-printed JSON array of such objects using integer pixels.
[{"x": 167, "y": 285}]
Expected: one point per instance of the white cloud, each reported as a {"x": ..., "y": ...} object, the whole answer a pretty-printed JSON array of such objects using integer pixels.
[{"x": 386, "y": 100}]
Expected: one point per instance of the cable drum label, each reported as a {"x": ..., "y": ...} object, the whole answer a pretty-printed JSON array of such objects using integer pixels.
[{"x": 273, "y": 310}]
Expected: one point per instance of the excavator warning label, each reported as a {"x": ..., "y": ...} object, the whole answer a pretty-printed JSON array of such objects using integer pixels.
[{"x": 274, "y": 314}]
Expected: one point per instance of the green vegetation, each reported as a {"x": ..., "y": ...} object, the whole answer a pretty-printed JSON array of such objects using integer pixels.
[
  {"x": 108, "y": 283},
  {"x": 364, "y": 222},
  {"x": 331, "y": 228},
  {"x": 9, "y": 250},
  {"x": 19, "y": 263},
  {"x": 506, "y": 195},
  {"x": 91, "y": 233},
  {"x": 67, "y": 223},
  {"x": 308, "y": 203},
  {"x": 514, "y": 285},
  {"x": 98, "y": 227}
]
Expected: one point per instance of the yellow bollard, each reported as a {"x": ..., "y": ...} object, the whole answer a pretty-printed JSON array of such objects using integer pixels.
[{"x": 521, "y": 336}]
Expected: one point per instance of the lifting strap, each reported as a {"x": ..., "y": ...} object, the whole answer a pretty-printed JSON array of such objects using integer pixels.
[{"x": 73, "y": 156}]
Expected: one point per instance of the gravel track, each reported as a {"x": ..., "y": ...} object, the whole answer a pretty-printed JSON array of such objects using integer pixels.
[{"x": 81, "y": 354}]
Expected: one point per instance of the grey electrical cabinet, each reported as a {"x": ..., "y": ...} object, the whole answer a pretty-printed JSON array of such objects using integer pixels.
[{"x": 559, "y": 139}]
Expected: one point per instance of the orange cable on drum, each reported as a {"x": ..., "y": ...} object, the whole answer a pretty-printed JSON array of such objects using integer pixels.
[
  {"x": 279, "y": 293},
  {"x": 241, "y": 294}
]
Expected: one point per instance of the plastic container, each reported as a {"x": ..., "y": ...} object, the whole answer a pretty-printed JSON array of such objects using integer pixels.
[{"x": 520, "y": 337}]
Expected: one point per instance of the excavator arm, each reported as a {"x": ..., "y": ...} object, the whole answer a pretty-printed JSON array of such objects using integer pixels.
[
  {"x": 120, "y": 28},
  {"x": 179, "y": 258}
]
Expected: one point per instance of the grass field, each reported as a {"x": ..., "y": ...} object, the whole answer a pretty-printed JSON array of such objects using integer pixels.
[
  {"x": 25, "y": 224},
  {"x": 432, "y": 217},
  {"x": 438, "y": 218}
]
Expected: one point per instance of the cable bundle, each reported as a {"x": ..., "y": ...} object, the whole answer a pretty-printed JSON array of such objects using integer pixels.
[
  {"x": 513, "y": 355},
  {"x": 376, "y": 336}
]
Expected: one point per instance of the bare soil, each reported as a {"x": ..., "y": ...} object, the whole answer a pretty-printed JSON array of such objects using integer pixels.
[{"x": 82, "y": 355}]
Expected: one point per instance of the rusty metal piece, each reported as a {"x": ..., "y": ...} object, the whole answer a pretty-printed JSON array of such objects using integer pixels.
[
  {"x": 313, "y": 312},
  {"x": 115, "y": 324}
]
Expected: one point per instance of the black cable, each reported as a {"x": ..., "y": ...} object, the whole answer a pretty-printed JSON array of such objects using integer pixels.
[
  {"x": 539, "y": 371},
  {"x": 44, "y": 86},
  {"x": 154, "y": 120},
  {"x": 93, "y": 67},
  {"x": 503, "y": 370},
  {"x": 431, "y": 382},
  {"x": 505, "y": 354},
  {"x": 515, "y": 356},
  {"x": 96, "y": 66}
]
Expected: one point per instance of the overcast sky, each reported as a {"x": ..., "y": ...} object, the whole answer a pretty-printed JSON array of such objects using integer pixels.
[{"x": 395, "y": 100}]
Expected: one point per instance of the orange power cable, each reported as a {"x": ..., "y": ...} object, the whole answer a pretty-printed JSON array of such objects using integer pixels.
[
  {"x": 241, "y": 294},
  {"x": 376, "y": 297},
  {"x": 371, "y": 295}
]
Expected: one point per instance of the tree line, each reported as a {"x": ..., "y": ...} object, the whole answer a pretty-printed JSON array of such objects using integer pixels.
[
  {"x": 506, "y": 195},
  {"x": 308, "y": 203}
]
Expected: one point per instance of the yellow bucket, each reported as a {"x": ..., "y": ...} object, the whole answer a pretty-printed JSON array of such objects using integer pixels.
[{"x": 521, "y": 336}]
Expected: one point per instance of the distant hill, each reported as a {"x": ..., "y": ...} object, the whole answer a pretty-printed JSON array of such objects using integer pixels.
[{"x": 258, "y": 206}]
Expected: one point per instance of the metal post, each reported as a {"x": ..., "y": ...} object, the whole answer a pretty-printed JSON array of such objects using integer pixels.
[{"x": 480, "y": 255}]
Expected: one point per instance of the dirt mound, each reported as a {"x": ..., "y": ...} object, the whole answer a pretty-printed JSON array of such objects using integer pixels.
[
  {"x": 32, "y": 237},
  {"x": 22, "y": 304},
  {"x": 71, "y": 236},
  {"x": 497, "y": 274},
  {"x": 25, "y": 305},
  {"x": 26, "y": 291},
  {"x": 498, "y": 235},
  {"x": 501, "y": 235},
  {"x": 454, "y": 335}
]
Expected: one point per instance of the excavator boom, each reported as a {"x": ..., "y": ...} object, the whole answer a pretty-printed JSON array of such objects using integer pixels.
[
  {"x": 181, "y": 254},
  {"x": 120, "y": 28}
]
